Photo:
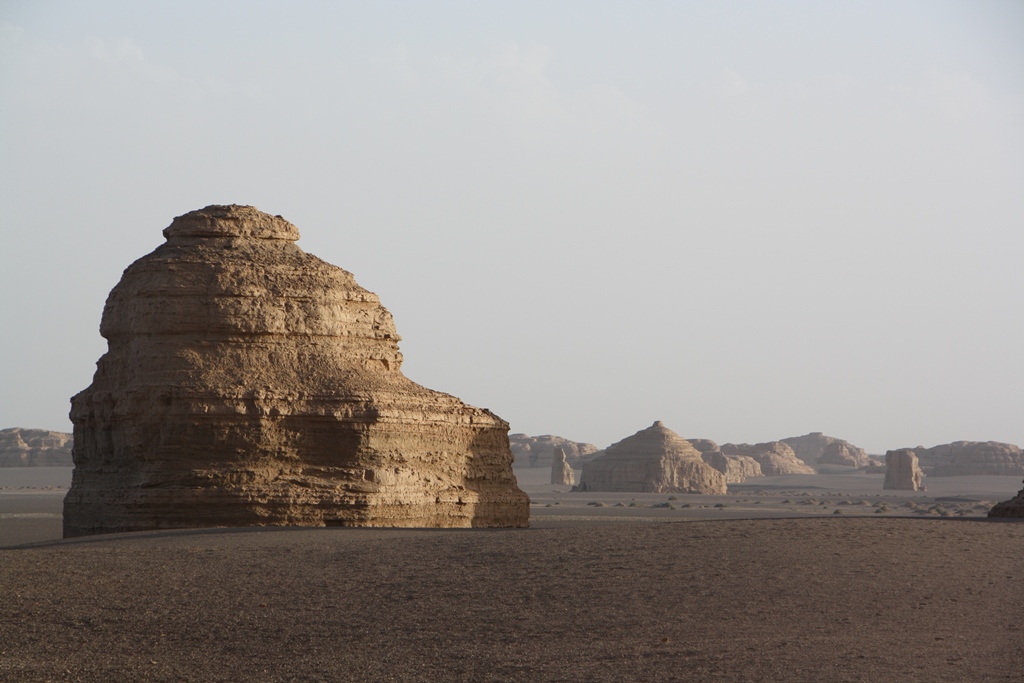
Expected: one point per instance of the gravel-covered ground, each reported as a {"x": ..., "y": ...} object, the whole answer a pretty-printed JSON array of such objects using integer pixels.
[{"x": 812, "y": 599}]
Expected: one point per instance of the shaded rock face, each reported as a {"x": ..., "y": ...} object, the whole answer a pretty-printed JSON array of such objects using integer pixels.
[
  {"x": 736, "y": 468},
  {"x": 654, "y": 460},
  {"x": 561, "y": 470},
  {"x": 902, "y": 472},
  {"x": 249, "y": 383},
  {"x": 539, "y": 451},
  {"x": 34, "y": 448},
  {"x": 774, "y": 457},
  {"x": 966, "y": 458},
  {"x": 817, "y": 449},
  {"x": 1009, "y": 508}
]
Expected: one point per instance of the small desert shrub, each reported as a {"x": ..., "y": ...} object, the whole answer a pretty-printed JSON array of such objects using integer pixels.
[{"x": 837, "y": 511}]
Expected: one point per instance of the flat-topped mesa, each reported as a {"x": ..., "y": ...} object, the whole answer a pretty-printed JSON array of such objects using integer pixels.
[
  {"x": 654, "y": 460},
  {"x": 249, "y": 383}
]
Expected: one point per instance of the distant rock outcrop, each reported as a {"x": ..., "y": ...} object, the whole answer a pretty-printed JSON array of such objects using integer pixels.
[
  {"x": 561, "y": 471},
  {"x": 1009, "y": 508},
  {"x": 736, "y": 468},
  {"x": 34, "y": 448},
  {"x": 704, "y": 445},
  {"x": 539, "y": 451},
  {"x": 902, "y": 472},
  {"x": 774, "y": 457},
  {"x": 965, "y": 458},
  {"x": 249, "y": 383},
  {"x": 817, "y": 449},
  {"x": 654, "y": 460}
]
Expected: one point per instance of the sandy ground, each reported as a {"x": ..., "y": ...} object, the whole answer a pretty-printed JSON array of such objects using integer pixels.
[{"x": 589, "y": 593}]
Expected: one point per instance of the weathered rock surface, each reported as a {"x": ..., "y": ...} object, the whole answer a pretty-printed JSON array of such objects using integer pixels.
[
  {"x": 561, "y": 470},
  {"x": 774, "y": 457},
  {"x": 817, "y": 449},
  {"x": 539, "y": 451},
  {"x": 34, "y": 448},
  {"x": 249, "y": 383},
  {"x": 736, "y": 468},
  {"x": 704, "y": 445},
  {"x": 654, "y": 460},
  {"x": 1009, "y": 508},
  {"x": 965, "y": 458},
  {"x": 902, "y": 472}
]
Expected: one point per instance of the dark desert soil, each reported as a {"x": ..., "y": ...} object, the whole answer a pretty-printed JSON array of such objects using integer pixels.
[{"x": 726, "y": 600}]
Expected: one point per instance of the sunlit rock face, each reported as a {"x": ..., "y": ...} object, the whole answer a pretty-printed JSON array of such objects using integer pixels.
[
  {"x": 902, "y": 472},
  {"x": 249, "y": 383},
  {"x": 1009, "y": 508},
  {"x": 965, "y": 458},
  {"x": 34, "y": 448},
  {"x": 654, "y": 460},
  {"x": 817, "y": 449},
  {"x": 774, "y": 457},
  {"x": 561, "y": 470}
]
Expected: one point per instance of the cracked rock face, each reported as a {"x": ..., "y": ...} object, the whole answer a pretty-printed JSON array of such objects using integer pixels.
[
  {"x": 654, "y": 460},
  {"x": 249, "y": 383}
]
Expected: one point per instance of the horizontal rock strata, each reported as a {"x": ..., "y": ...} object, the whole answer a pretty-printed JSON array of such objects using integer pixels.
[
  {"x": 654, "y": 460},
  {"x": 966, "y": 458},
  {"x": 539, "y": 451},
  {"x": 34, "y": 448},
  {"x": 736, "y": 468},
  {"x": 249, "y": 383},
  {"x": 818, "y": 449},
  {"x": 774, "y": 457}
]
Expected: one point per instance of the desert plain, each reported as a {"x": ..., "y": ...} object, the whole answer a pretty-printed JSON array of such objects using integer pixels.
[{"x": 767, "y": 583}]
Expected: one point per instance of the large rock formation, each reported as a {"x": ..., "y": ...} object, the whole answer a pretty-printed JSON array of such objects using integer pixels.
[
  {"x": 34, "y": 448},
  {"x": 817, "y": 449},
  {"x": 1009, "y": 508},
  {"x": 736, "y": 468},
  {"x": 902, "y": 472},
  {"x": 774, "y": 457},
  {"x": 539, "y": 451},
  {"x": 964, "y": 458},
  {"x": 561, "y": 471},
  {"x": 654, "y": 460},
  {"x": 249, "y": 383}
]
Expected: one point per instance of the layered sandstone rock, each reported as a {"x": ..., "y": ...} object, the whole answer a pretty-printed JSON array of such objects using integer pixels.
[
  {"x": 1009, "y": 508},
  {"x": 774, "y": 457},
  {"x": 817, "y": 449},
  {"x": 561, "y": 470},
  {"x": 654, "y": 460},
  {"x": 249, "y": 383},
  {"x": 539, "y": 451},
  {"x": 704, "y": 445},
  {"x": 902, "y": 472},
  {"x": 34, "y": 448},
  {"x": 736, "y": 468},
  {"x": 965, "y": 458}
]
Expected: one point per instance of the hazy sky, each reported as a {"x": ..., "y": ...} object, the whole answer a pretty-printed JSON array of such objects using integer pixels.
[{"x": 750, "y": 220}]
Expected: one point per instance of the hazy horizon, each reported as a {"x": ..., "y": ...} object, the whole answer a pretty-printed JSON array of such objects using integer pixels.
[{"x": 749, "y": 220}]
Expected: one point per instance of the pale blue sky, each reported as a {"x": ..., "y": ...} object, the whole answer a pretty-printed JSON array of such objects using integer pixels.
[{"x": 749, "y": 220}]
